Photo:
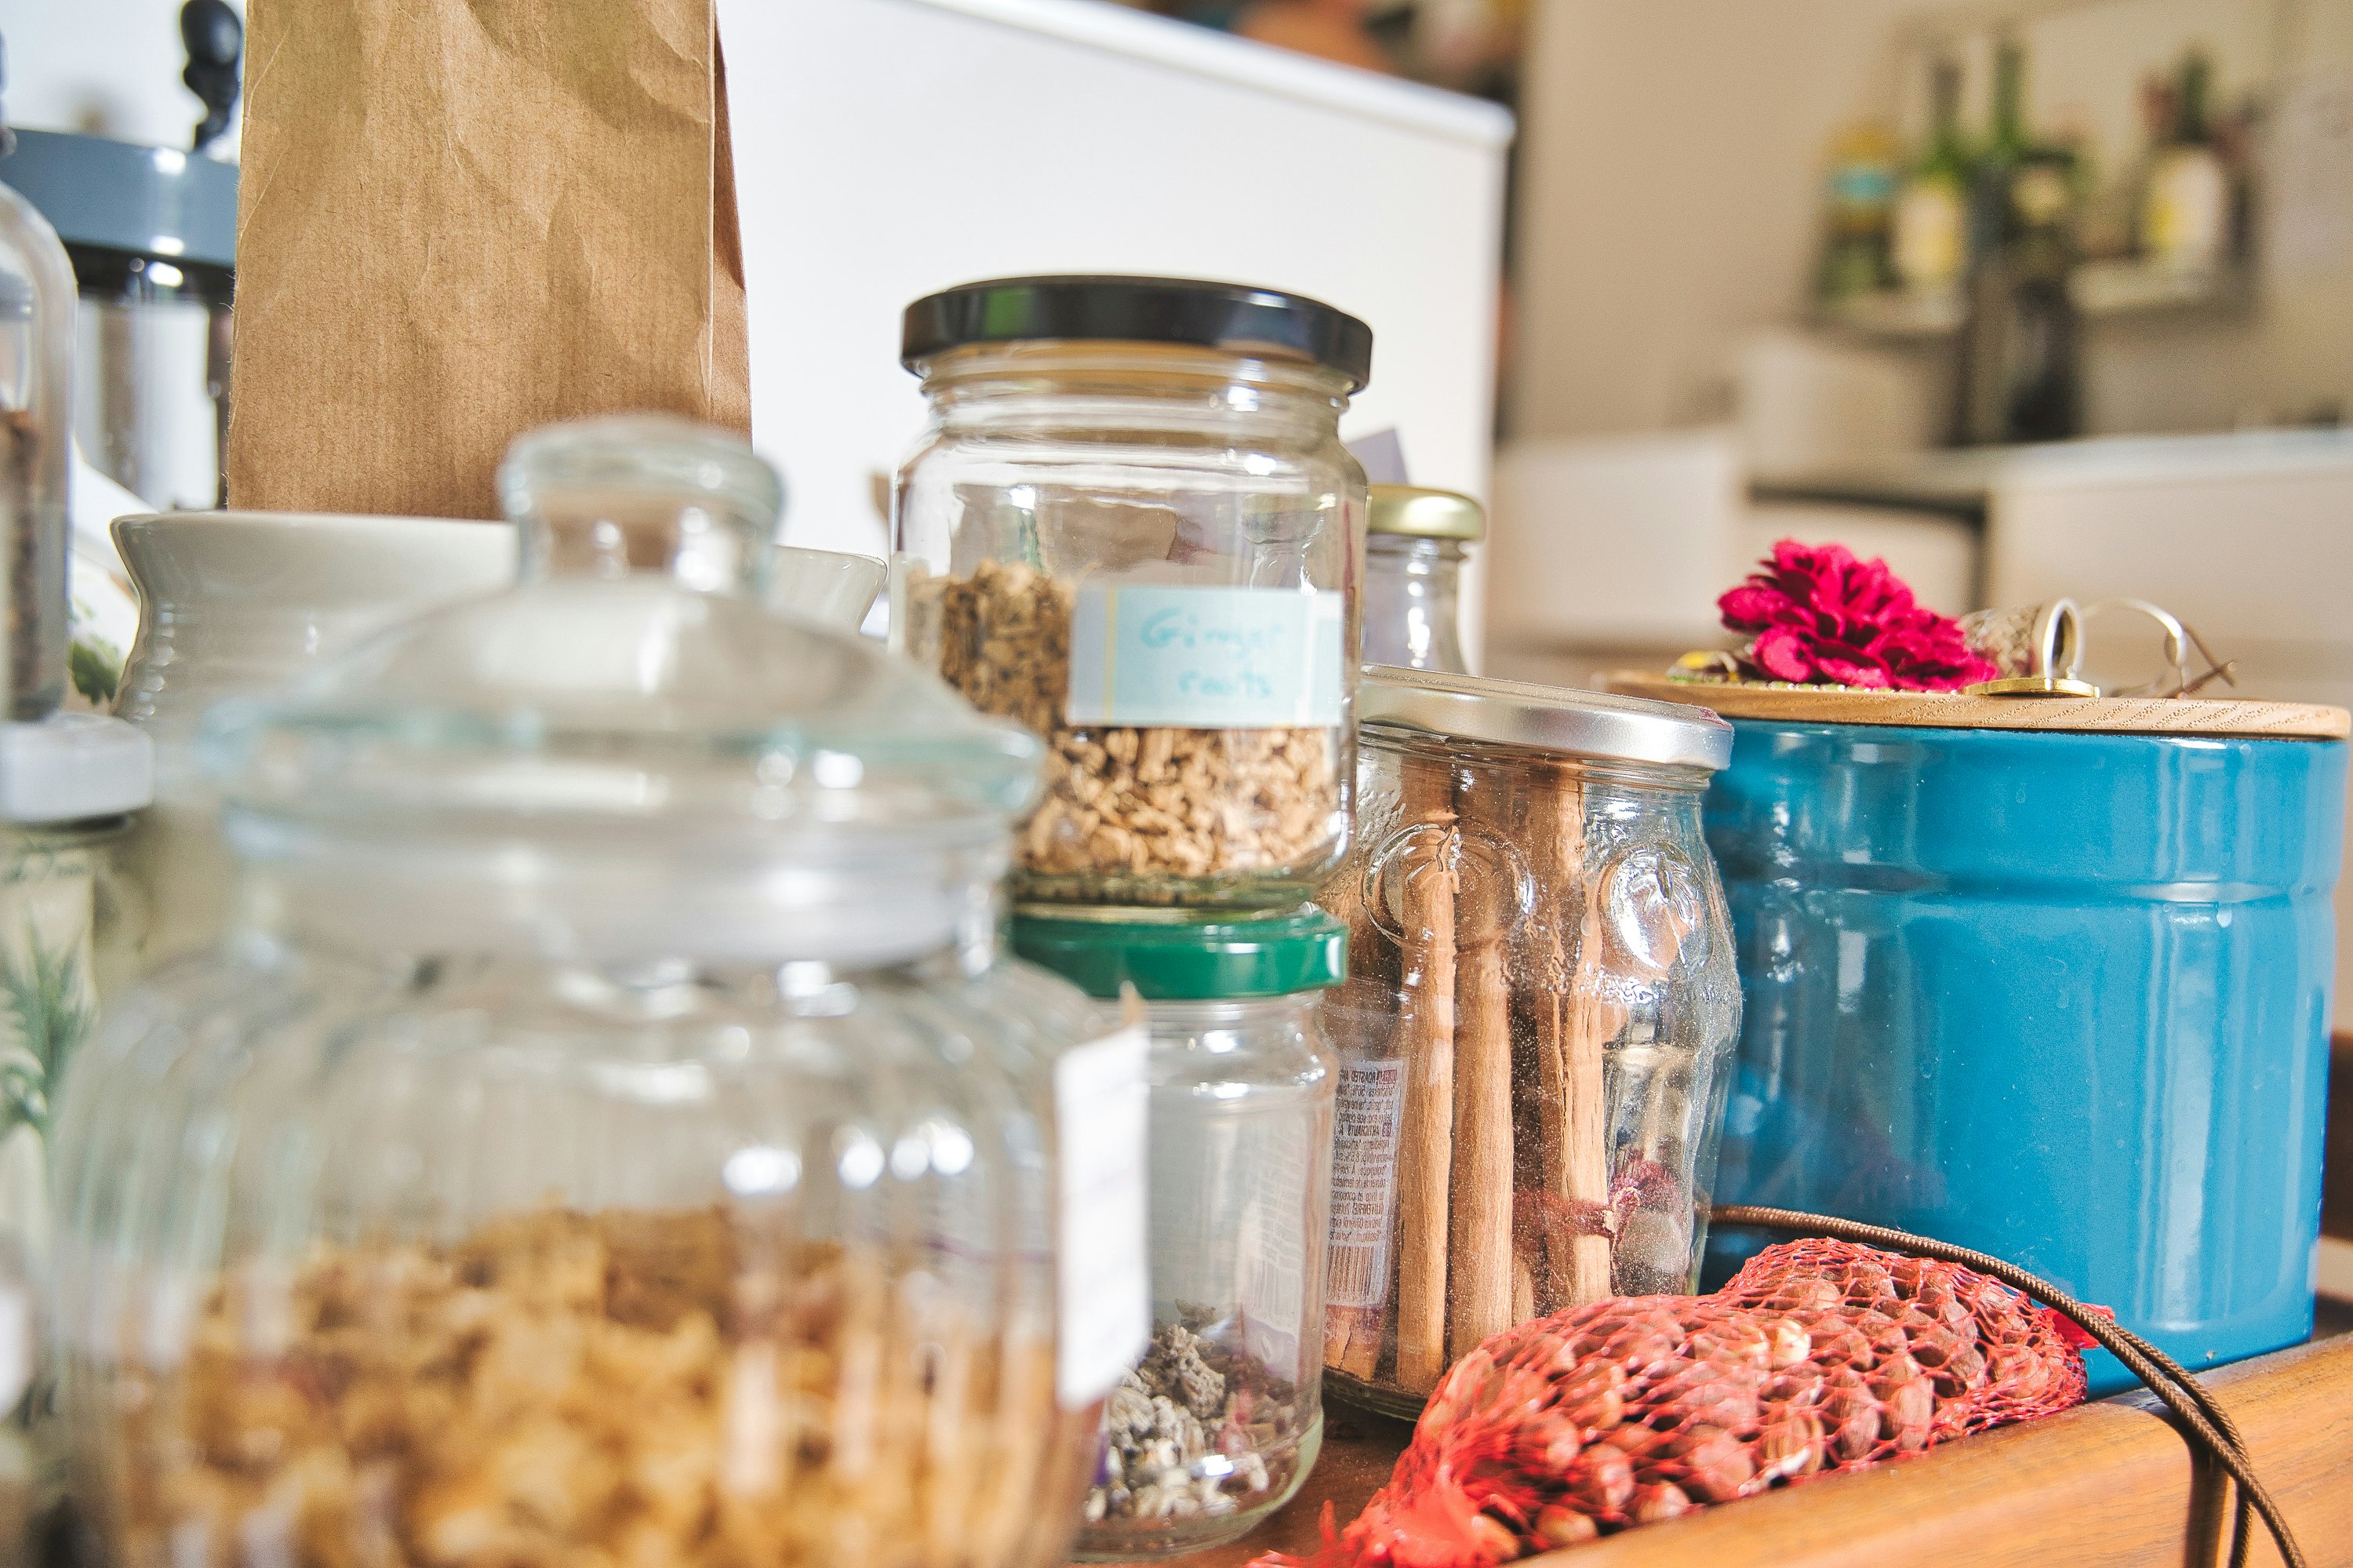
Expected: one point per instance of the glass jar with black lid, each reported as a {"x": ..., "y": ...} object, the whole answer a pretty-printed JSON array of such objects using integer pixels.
[{"x": 1131, "y": 526}]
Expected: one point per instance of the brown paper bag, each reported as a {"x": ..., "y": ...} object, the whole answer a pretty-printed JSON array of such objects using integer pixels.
[{"x": 462, "y": 218}]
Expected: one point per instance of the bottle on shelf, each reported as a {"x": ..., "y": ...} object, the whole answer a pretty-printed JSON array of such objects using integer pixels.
[
  {"x": 2186, "y": 207},
  {"x": 2017, "y": 357},
  {"x": 1860, "y": 201},
  {"x": 1932, "y": 206}
]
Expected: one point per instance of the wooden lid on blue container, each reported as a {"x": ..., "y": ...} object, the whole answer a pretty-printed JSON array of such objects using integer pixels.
[{"x": 2219, "y": 717}]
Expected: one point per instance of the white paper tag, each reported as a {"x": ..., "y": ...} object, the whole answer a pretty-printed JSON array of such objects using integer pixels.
[
  {"x": 1101, "y": 1110},
  {"x": 16, "y": 1344},
  {"x": 1364, "y": 1181}
]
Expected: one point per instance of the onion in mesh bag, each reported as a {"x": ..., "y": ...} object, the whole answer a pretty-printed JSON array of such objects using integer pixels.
[{"x": 1819, "y": 1355}]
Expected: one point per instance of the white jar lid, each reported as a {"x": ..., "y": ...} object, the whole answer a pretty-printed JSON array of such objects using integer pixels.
[{"x": 73, "y": 766}]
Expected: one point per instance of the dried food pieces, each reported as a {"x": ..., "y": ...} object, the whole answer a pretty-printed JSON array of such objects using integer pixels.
[
  {"x": 1198, "y": 1429},
  {"x": 1130, "y": 811},
  {"x": 560, "y": 1389},
  {"x": 1818, "y": 1355}
]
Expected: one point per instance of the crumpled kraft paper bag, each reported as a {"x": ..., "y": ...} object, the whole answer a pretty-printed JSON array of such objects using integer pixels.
[{"x": 462, "y": 218}]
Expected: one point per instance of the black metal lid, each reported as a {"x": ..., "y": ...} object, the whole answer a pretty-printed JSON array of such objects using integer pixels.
[
  {"x": 153, "y": 202},
  {"x": 1235, "y": 316}
]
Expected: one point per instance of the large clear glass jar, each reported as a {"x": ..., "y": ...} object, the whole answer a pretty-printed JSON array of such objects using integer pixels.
[
  {"x": 1131, "y": 526},
  {"x": 1218, "y": 1425},
  {"x": 1414, "y": 548},
  {"x": 1535, "y": 1035},
  {"x": 609, "y": 1134}
]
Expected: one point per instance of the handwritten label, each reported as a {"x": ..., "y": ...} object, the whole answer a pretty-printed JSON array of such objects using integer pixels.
[{"x": 1205, "y": 658}]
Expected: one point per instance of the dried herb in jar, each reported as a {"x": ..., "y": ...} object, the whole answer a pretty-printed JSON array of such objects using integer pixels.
[
  {"x": 1198, "y": 1429},
  {"x": 1126, "y": 804}
]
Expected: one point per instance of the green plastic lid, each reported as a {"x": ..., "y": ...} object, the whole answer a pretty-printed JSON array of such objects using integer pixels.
[{"x": 1189, "y": 961}]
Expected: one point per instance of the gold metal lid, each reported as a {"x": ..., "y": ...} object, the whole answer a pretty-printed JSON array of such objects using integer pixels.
[{"x": 1425, "y": 513}]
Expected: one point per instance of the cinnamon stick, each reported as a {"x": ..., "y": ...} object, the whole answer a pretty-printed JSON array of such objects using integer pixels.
[
  {"x": 1426, "y": 1040},
  {"x": 1589, "y": 1021},
  {"x": 1480, "y": 1287},
  {"x": 1554, "y": 834}
]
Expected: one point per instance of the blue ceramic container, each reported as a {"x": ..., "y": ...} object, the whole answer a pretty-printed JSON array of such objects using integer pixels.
[{"x": 2064, "y": 998}]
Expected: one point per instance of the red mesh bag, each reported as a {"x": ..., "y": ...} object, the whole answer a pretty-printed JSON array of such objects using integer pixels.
[{"x": 1819, "y": 1355}]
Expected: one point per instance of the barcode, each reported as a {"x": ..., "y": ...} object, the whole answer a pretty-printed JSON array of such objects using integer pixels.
[
  {"x": 1359, "y": 1276},
  {"x": 1363, "y": 1167}
]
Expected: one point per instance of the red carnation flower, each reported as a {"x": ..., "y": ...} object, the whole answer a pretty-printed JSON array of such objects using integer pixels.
[{"x": 1818, "y": 615}]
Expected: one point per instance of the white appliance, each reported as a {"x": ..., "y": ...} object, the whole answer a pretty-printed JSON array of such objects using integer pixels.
[{"x": 885, "y": 149}]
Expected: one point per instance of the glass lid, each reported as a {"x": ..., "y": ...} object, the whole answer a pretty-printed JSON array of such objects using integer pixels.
[{"x": 626, "y": 755}]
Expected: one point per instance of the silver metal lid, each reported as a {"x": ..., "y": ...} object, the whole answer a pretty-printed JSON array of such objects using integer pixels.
[{"x": 1545, "y": 718}]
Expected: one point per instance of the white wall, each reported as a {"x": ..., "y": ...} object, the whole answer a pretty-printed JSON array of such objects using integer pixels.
[
  {"x": 107, "y": 67},
  {"x": 1668, "y": 156}
]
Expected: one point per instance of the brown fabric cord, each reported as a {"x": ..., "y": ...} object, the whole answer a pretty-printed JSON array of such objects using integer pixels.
[{"x": 462, "y": 218}]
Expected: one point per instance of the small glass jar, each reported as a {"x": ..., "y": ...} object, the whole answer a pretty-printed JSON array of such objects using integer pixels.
[
  {"x": 1131, "y": 526},
  {"x": 609, "y": 1133},
  {"x": 1413, "y": 561},
  {"x": 1535, "y": 1035},
  {"x": 1219, "y": 1423}
]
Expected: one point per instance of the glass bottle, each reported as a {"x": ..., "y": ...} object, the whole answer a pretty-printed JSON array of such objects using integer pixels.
[
  {"x": 2186, "y": 215},
  {"x": 1218, "y": 1423},
  {"x": 37, "y": 345},
  {"x": 610, "y": 1133},
  {"x": 67, "y": 784},
  {"x": 1414, "y": 546},
  {"x": 1859, "y": 210},
  {"x": 1131, "y": 526},
  {"x": 2020, "y": 346},
  {"x": 1932, "y": 210}
]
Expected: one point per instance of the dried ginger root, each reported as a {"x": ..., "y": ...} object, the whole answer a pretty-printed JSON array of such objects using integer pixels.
[
  {"x": 1122, "y": 800},
  {"x": 564, "y": 1390}
]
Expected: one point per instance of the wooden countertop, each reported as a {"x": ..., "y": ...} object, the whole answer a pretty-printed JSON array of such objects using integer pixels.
[{"x": 2106, "y": 1485}]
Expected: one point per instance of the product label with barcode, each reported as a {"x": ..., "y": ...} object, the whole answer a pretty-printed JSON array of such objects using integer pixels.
[
  {"x": 1206, "y": 658},
  {"x": 1364, "y": 1181},
  {"x": 1102, "y": 1111}
]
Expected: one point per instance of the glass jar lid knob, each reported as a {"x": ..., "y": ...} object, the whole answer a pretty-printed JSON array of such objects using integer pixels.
[{"x": 632, "y": 493}]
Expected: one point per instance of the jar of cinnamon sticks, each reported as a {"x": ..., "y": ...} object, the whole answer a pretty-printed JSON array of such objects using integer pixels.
[{"x": 1535, "y": 1035}]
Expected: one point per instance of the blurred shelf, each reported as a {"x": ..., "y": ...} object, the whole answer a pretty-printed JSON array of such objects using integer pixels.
[
  {"x": 1917, "y": 316},
  {"x": 2119, "y": 288},
  {"x": 2107, "y": 1485},
  {"x": 2127, "y": 287}
]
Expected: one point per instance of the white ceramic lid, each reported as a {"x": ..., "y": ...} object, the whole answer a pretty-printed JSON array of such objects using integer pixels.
[{"x": 74, "y": 767}]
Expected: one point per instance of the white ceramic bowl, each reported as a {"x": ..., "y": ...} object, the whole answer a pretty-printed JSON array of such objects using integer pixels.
[
  {"x": 232, "y": 602},
  {"x": 242, "y": 601}
]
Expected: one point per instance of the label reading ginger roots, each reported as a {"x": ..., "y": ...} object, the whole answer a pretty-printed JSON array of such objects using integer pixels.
[{"x": 1205, "y": 658}]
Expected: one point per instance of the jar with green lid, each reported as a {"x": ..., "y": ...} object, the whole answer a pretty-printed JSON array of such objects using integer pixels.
[{"x": 1219, "y": 1423}]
